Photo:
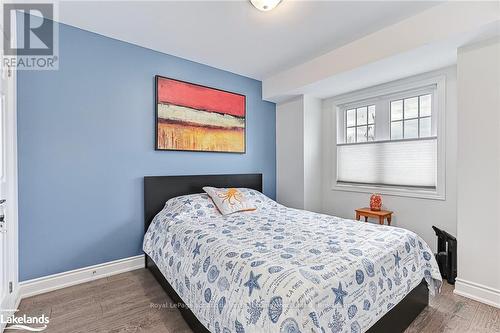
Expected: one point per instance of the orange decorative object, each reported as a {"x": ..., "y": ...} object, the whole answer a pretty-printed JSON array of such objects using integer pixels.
[{"x": 375, "y": 202}]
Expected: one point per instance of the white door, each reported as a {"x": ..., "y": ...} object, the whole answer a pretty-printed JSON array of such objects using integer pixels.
[
  {"x": 4, "y": 258},
  {"x": 8, "y": 189}
]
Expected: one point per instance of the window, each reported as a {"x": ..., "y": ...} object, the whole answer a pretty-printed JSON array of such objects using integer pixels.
[
  {"x": 387, "y": 140},
  {"x": 360, "y": 124},
  {"x": 411, "y": 117}
]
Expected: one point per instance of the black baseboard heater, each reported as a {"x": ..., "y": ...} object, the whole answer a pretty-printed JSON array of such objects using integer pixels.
[{"x": 446, "y": 255}]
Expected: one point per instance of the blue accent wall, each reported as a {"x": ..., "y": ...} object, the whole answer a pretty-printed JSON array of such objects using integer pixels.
[{"x": 86, "y": 139}]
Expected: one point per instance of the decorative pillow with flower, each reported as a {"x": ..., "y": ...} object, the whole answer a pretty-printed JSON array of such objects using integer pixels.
[{"x": 229, "y": 200}]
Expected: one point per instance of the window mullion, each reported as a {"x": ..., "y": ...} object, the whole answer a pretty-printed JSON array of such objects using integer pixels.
[
  {"x": 344, "y": 117},
  {"x": 418, "y": 114},
  {"x": 367, "y": 121},
  {"x": 355, "y": 125},
  {"x": 382, "y": 120}
]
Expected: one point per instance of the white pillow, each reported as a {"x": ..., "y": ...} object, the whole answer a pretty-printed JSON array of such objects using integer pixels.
[
  {"x": 198, "y": 205},
  {"x": 229, "y": 200}
]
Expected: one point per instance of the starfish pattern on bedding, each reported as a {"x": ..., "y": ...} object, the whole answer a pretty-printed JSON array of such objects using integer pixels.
[
  {"x": 252, "y": 283},
  {"x": 196, "y": 250},
  {"x": 339, "y": 294},
  {"x": 397, "y": 259}
]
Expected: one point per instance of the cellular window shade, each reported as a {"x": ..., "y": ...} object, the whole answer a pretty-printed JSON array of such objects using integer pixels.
[{"x": 398, "y": 163}]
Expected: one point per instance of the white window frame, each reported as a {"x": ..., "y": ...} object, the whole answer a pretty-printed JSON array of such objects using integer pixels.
[{"x": 436, "y": 84}]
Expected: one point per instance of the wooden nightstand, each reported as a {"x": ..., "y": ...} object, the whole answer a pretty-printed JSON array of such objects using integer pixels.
[{"x": 381, "y": 215}]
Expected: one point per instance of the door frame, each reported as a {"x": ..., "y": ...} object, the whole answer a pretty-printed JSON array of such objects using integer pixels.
[{"x": 11, "y": 302}]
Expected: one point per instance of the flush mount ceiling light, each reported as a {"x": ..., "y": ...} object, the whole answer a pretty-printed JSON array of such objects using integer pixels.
[{"x": 265, "y": 5}]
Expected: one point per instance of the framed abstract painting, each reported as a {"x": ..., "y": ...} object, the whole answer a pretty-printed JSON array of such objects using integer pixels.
[{"x": 192, "y": 117}]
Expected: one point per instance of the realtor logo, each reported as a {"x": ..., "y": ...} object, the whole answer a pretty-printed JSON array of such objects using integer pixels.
[
  {"x": 30, "y": 36},
  {"x": 35, "y": 20}
]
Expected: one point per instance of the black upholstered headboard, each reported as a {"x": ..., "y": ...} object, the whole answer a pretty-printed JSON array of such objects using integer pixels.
[{"x": 158, "y": 189}]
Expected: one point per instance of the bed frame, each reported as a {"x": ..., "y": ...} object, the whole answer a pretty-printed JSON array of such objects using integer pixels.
[{"x": 157, "y": 190}]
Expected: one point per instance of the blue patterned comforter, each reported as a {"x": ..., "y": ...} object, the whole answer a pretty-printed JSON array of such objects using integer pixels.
[{"x": 279, "y": 269}]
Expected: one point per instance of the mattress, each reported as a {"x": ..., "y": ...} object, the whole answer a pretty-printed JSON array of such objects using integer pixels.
[{"x": 278, "y": 269}]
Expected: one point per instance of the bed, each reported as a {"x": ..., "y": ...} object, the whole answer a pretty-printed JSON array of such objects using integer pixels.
[{"x": 278, "y": 269}]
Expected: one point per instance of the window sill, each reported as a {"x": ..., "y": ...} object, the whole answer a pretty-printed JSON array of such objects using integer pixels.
[{"x": 389, "y": 190}]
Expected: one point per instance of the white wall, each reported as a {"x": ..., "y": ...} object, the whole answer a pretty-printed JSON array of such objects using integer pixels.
[
  {"x": 299, "y": 153},
  {"x": 415, "y": 214},
  {"x": 313, "y": 158},
  {"x": 478, "y": 206},
  {"x": 290, "y": 153}
]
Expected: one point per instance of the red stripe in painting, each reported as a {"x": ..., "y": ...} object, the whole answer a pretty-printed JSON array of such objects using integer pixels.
[{"x": 201, "y": 98}]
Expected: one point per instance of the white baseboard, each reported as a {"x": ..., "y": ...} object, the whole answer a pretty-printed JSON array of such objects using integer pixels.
[
  {"x": 66, "y": 279},
  {"x": 478, "y": 292}
]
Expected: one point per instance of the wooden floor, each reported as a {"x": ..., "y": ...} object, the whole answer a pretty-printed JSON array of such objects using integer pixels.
[{"x": 123, "y": 303}]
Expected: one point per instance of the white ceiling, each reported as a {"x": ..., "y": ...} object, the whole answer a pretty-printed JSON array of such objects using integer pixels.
[{"x": 232, "y": 35}]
